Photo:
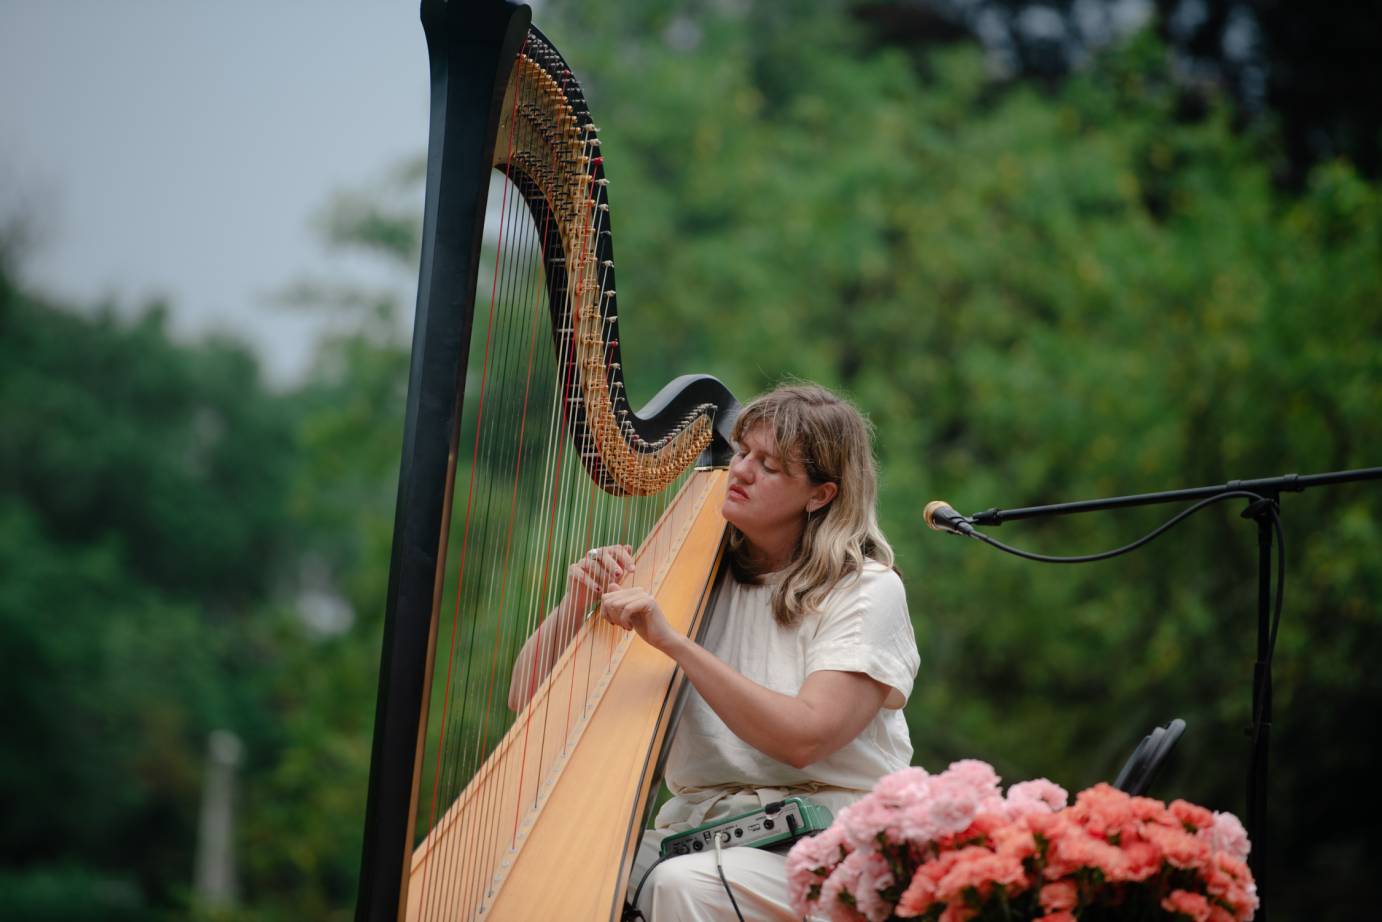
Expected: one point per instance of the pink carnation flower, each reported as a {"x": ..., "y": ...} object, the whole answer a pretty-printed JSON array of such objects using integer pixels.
[
  {"x": 980, "y": 870},
  {"x": 917, "y": 898},
  {"x": 843, "y": 880},
  {"x": 984, "y": 826},
  {"x": 902, "y": 786},
  {"x": 1178, "y": 848},
  {"x": 1189, "y": 904},
  {"x": 1226, "y": 834},
  {"x": 1036, "y": 796},
  {"x": 1191, "y": 815},
  {"x": 944, "y": 815},
  {"x": 1149, "y": 809},
  {"x": 924, "y": 888},
  {"x": 977, "y": 780},
  {"x": 1050, "y": 825},
  {"x": 1076, "y": 850},
  {"x": 872, "y": 876},
  {"x": 810, "y": 862},
  {"x": 973, "y": 772},
  {"x": 870, "y": 820},
  {"x": 1060, "y": 894},
  {"x": 1142, "y": 859},
  {"x": 1228, "y": 879},
  {"x": 1104, "y": 810},
  {"x": 1015, "y": 840}
]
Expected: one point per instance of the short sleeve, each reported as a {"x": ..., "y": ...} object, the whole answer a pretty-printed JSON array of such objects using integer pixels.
[{"x": 864, "y": 627}]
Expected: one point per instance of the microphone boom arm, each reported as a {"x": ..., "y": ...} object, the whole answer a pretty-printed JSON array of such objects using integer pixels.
[{"x": 1267, "y": 486}]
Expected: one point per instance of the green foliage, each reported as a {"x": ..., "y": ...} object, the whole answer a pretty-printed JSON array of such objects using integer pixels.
[
  {"x": 60, "y": 894},
  {"x": 100, "y": 674},
  {"x": 143, "y": 483},
  {"x": 154, "y": 444},
  {"x": 304, "y": 804}
]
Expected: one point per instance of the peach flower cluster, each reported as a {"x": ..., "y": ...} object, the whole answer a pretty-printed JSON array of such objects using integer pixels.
[{"x": 953, "y": 848}]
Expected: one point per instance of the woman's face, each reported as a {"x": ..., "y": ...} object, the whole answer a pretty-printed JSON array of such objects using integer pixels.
[{"x": 767, "y": 499}]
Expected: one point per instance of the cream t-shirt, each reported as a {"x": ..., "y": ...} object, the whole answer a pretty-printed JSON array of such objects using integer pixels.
[{"x": 862, "y": 626}]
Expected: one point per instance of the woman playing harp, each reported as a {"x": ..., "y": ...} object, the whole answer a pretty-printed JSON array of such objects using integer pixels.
[
  {"x": 474, "y": 811},
  {"x": 807, "y": 660}
]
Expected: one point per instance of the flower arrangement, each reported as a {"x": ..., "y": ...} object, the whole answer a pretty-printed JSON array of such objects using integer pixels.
[{"x": 952, "y": 847}]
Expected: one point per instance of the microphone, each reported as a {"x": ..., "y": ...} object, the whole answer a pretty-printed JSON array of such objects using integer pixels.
[{"x": 940, "y": 516}]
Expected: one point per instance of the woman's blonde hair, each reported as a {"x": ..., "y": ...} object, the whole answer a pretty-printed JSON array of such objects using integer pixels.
[{"x": 828, "y": 438}]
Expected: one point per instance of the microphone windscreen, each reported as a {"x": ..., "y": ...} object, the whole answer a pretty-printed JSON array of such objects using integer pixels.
[{"x": 928, "y": 514}]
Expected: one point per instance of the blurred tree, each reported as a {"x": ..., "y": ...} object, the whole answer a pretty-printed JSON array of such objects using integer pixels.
[
  {"x": 305, "y": 809},
  {"x": 1293, "y": 62},
  {"x": 167, "y": 530},
  {"x": 142, "y": 487}
]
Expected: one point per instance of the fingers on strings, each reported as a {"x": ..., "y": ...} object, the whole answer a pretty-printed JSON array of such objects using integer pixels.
[
  {"x": 622, "y": 606},
  {"x": 602, "y": 566}
]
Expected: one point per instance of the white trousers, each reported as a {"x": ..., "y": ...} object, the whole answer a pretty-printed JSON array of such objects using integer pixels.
[{"x": 688, "y": 888}]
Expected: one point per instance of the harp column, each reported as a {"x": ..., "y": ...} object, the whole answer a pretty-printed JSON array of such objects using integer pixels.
[{"x": 471, "y": 48}]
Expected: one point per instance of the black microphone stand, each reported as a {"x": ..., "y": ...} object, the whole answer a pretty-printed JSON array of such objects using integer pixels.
[{"x": 1264, "y": 509}]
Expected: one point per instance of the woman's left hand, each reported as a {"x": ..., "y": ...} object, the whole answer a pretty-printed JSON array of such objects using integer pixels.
[{"x": 635, "y": 609}]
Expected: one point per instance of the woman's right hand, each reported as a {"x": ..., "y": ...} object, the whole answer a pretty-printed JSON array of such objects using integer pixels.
[{"x": 590, "y": 577}]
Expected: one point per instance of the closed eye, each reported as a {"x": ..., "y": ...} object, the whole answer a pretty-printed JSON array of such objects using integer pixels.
[{"x": 768, "y": 466}]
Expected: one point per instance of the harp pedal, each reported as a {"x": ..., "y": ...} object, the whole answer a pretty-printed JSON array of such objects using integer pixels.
[{"x": 782, "y": 821}]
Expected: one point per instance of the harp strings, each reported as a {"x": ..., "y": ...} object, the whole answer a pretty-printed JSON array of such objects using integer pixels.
[
  {"x": 449, "y": 764},
  {"x": 528, "y": 511}
]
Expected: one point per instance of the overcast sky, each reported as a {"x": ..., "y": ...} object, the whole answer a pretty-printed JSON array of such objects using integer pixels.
[{"x": 181, "y": 149}]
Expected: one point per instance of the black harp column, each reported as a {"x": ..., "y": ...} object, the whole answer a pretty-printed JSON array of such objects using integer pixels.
[{"x": 471, "y": 45}]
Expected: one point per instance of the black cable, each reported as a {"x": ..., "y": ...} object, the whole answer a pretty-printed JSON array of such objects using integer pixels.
[
  {"x": 1107, "y": 555},
  {"x": 631, "y": 910}
]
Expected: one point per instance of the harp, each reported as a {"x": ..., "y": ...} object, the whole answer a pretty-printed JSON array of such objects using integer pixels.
[{"x": 521, "y": 450}]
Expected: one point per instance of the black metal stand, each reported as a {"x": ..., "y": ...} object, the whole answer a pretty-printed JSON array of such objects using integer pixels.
[
  {"x": 1263, "y": 508},
  {"x": 1263, "y": 512}
]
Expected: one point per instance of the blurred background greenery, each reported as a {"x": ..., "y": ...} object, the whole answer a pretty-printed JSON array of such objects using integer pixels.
[{"x": 1055, "y": 250}]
